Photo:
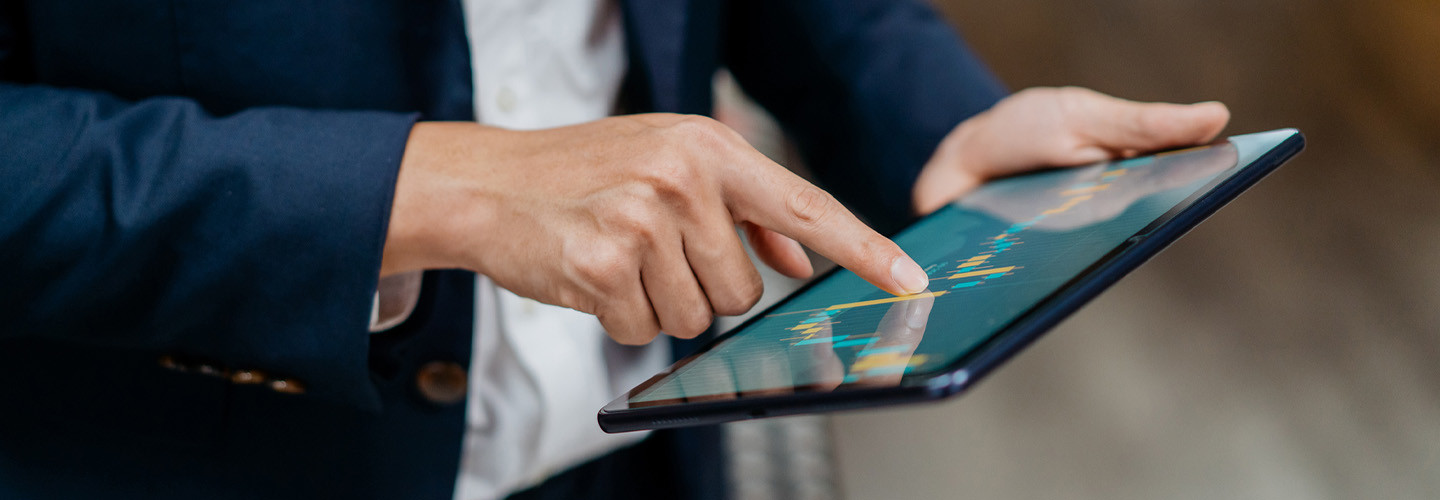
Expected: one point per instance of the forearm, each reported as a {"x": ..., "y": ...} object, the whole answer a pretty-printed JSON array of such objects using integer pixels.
[{"x": 253, "y": 238}]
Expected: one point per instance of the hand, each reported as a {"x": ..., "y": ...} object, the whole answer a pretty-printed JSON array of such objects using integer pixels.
[
  {"x": 1021, "y": 205},
  {"x": 1053, "y": 127},
  {"x": 630, "y": 218}
]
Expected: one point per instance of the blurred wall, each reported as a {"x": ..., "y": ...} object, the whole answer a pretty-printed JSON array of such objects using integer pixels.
[{"x": 1287, "y": 348}]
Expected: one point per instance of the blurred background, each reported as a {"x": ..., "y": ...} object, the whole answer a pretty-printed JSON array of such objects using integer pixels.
[{"x": 1289, "y": 348}]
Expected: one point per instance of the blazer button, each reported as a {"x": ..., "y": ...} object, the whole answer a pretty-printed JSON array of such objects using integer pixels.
[
  {"x": 442, "y": 382},
  {"x": 287, "y": 386},
  {"x": 169, "y": 362},
  {"x": 247, "y": 377},
  {"x": 211, "y": 370}
]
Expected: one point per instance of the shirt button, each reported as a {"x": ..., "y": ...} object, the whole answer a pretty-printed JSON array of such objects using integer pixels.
[
  {"x": 506, "y": 99},
  {"x": 442, "y": 382}
]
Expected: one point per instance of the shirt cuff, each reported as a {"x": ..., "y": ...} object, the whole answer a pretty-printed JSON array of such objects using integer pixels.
[{"x": 395, "y": 298}]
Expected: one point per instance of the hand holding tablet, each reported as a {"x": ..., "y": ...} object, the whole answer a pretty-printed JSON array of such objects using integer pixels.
[{"x": 1006, "y": 263}]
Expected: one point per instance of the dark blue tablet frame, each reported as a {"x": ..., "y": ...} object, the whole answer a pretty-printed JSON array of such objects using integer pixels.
[{"x": 965, "y": 371}]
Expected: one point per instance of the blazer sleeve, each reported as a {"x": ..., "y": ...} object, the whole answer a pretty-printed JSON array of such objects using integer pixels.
[
  {"x": 866, "y": 89},
  {"x": 253, "y": 239}
]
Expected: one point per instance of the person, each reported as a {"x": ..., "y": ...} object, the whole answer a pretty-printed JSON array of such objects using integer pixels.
[{"x": 198, "y": 202}]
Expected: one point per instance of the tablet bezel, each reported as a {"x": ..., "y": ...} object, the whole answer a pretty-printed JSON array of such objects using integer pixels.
[{"x": 966, "y": 370}]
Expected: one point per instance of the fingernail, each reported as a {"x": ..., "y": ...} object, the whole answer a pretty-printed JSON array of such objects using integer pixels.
[
  {"x": 917, "y": 314},
  {"x": 908, "y": 275}
]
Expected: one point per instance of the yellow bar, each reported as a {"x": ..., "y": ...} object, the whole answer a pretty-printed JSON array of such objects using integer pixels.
[
  {"x": 812, "y": 330},
  {"x": 797, "y": 339},
  {"x": 885, "y": 300},
  {"x": 817, "y": 324},
  {"x": 982, "y": 272},
  {"x": 887, "y": 360},
  {"x": 1070, "y": 203},
  {"x": 1091, "y": 189},
  {"x": 974, "y": 260},
  {"x": 879, "y": 361}
]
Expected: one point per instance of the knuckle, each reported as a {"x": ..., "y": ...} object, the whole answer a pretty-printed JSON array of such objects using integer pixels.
[
  {"x": 656, "y": 120},
  {"x": 809, "y": 205},
  {"x": 695, "y": 126},
  {"x": 636, "y": 335},
  {"x": 1073, "y": 110},
  {"x": 645, "y": 335},
  {"x": 740, "y": 297},
  {"x": 634, "y": 215},
  {"x": 693, "y": 323},
  {"x": 1069, "y": 100},
  {"x": 602, "y": 265},
  {"x": 667, "y": 128},
  {"x": 1074, "y": 93},
  {"x": 701, "y": 317},
  {"x": 704, "y": 134},
  {"x": 624, "y": 324},
  {"x": 633, "y": 338},
  {"x": 672, "y": 178}
]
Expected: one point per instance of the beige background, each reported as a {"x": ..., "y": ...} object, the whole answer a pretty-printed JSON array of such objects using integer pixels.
[{"x": 1288, "y": 348}]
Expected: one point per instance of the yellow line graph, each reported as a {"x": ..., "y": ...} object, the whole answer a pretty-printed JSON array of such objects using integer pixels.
[
  {"x": 885, "y": 300},
  {"x": 1070, "y": 203},
  {"x": 817, "y": 324},
  {"x": 1085, "y": 190},
  {"x": 982, "y": 272}
]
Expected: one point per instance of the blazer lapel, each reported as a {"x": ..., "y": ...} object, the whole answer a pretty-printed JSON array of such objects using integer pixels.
[{"x": 655, "y": 32}]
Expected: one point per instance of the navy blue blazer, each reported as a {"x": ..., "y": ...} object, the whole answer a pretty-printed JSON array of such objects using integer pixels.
[{"x": 194, "y": 197}]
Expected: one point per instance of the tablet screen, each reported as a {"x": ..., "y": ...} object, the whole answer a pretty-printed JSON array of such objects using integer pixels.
[{"x": 991, "y": 256}]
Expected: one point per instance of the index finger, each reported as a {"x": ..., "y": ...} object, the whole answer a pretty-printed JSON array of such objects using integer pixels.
[{"x": 771, "y": 196}]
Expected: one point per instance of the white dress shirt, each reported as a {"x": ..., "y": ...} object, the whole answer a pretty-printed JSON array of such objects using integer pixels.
[{"x": 540, "y": 372}]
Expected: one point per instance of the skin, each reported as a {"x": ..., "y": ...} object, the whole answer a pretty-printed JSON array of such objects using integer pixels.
[{"x": 633, "y": 218}]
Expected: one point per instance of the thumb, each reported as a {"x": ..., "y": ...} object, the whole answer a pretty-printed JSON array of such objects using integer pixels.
[{"x": 1115, "y": 125}]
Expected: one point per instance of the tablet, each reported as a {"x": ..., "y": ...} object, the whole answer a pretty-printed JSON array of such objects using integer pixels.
[{"x": 1007, "y": 262}]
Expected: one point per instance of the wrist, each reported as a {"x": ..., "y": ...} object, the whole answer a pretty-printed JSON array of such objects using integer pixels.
[{"x": 429, "y": 192}]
